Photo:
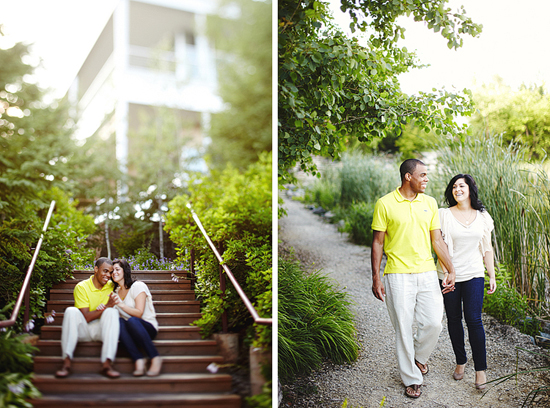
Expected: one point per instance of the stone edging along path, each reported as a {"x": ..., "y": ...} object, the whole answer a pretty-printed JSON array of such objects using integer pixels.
[{"x": 374, "y": 377}]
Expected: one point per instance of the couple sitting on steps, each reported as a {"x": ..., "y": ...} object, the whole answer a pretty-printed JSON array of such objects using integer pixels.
[{"x": 110, "y": 306}]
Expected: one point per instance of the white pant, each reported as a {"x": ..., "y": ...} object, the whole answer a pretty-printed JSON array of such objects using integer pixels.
[
  {"x": 105, "y": 329},
  {"x": 414, "y": 298}
]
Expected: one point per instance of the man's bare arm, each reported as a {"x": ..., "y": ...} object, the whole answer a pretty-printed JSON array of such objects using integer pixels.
[
  {"x": 96, "y": 314},
  {"x": 376, "y": 262},
  {"x": 440, "y": 248}
]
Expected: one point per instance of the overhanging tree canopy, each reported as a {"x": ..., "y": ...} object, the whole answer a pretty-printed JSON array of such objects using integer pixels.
[{"x": 331, "y": 87}]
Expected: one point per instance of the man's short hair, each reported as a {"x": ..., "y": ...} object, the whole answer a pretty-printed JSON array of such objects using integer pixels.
[
  {"x": 103, "y": 260},
  {"x": 408, "y": 166}
]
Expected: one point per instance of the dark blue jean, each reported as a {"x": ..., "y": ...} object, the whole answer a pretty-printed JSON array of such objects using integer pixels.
[
  {"x": 468, "y": 296},
  {"x": 136, "y": 333}
]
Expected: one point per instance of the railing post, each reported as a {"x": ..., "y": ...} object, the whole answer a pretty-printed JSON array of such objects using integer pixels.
[
  {"x": 222, "y": 288},
  {"x": 192, "y": 266}
]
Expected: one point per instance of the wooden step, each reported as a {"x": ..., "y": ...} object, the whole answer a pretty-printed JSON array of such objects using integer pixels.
[
  {"x": 140, "y": 400},
  {"x": 163, "y": 319},
  {"x": 86, "y": 384},
  {"x": 161, "y": 306},
  {"x": 51, "y": 332},
  {"x": 183, "y": 284},
  {"x": 141, "y": 275},
  {"x": 164, "y": 347},
  {"x": 83, "y": 365},
  {"x": 158, "y": 295}
]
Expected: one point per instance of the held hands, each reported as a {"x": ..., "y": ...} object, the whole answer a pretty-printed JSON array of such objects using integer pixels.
[
  {"x": 448, "y": 283},
  {"x": 112, "y": 300}
]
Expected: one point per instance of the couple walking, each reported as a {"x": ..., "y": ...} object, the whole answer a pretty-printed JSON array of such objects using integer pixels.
[
  {"x": 110, "y": 306},
  {"x": 405, "y": 223}
]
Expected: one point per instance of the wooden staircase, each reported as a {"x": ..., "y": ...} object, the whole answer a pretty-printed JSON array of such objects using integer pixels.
[{"x": 184, "y": 380}]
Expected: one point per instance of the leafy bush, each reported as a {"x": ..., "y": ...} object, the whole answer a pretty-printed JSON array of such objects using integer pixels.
[
  {"x": 326, "y": 191},
  {"x": 315, "y": 322},
  {"x": 358, "y": 223},
  {"x": 235, "y": 210},
  {"x": 366, "y": 178},
  {"x": 67, "y": 232},
  {"x": 507, "y": 305},
  {"x": 134, "y": 240},
  {"x": 15, "y": 368}
]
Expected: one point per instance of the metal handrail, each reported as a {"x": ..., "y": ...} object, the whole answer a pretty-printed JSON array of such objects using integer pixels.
[
  {"x": 244, "y": 298},
  {"x": 25, "y": 289}
]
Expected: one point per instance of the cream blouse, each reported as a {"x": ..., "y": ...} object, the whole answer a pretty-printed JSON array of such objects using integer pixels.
[
  {"x": 467, "y": 244},
  {"x": 149, "y": 314}
]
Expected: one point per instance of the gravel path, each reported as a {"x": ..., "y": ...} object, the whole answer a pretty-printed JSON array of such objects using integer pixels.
[{"x": 374, "y": 377}]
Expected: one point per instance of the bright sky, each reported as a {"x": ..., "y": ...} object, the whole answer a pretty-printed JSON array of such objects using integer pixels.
[
  {"x": 513, "y": 45},
  {"x": 62, "y": 33}
]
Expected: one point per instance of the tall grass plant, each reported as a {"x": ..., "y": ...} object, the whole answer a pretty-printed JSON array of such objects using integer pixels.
[
  {"x": 315, "y": 322},
  {"x": 366, "y": 178}
]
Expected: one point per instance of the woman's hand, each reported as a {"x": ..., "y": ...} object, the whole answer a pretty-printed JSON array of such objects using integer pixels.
[
  {"x": 116, "y": 299},
  {"x": 447, "y": 287},
  {"x": 492, "y": 286},
  {"x": 101, "y": 307}
]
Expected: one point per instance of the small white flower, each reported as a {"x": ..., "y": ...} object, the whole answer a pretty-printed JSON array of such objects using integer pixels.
[
  {"x": 17, "y": 388},
  {"x": 29, "y": 326},
  {"x": 213, "y": 368}
]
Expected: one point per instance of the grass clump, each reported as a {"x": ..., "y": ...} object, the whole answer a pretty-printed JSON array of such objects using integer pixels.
[{"x": 315, "y": 322}]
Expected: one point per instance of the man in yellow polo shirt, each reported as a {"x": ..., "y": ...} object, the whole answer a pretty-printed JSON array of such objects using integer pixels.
[
  {"x": 93, "y": 318},
  {"x": 405, "y": 226}
]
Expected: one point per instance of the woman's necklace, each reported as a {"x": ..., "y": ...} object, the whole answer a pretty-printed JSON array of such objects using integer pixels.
[
  {"x": 467, "y": 220},
  {"x": 122, "y": 292}
]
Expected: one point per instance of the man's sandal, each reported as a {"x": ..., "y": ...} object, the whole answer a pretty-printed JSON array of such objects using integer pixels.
[
  {"x": 413, "y": 391},
  {"x": 110, "y": 373},
  {"x": 63, "y": 373},
  {"x": 424, "y": 369}
]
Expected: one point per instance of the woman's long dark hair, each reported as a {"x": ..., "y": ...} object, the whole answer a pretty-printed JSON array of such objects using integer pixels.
[
  {"x": 474, "y": 199},
  {"x": 128, "y": 281}
]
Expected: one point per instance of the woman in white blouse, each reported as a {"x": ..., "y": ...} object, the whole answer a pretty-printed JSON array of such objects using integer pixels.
[
  {"x": 138, "y": 323},
  {"x": 466, "y": 228}
]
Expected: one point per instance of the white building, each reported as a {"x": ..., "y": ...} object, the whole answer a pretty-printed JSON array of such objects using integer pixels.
[{"x": 151, "y": 53}]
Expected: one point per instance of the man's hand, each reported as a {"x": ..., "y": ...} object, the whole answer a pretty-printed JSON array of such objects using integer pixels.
[
  {"x": 112, "y": 300},
  {"x": 448, "y": 283},
  {"x": 378, "y": 289}
]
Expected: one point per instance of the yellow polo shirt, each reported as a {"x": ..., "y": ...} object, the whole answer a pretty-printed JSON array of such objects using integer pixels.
[
  {"x": 407, "y": 224},
  {"x": 87, "y": 295}
]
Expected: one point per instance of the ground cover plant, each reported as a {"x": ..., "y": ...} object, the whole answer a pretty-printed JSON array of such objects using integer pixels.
[{"x": 315, "y": 322}]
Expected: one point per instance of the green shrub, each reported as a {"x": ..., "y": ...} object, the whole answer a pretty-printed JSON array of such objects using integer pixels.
[
  {"x": 326, "y": 190},
  {"x": 67, "y": 231},
  {"x": 507, "y": 305},
  {"x": 315, "y": 322},
  {"x": 235, "y": 210},
  {"x": 366, "y": 178},
  {"x": 134, "y": 240},
  {"x": 15, "y": 369},
  {"x": 358, "y": 223}
]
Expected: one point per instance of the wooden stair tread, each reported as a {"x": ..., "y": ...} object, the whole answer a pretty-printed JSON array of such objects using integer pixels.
[
  {"x": 129, "y": 378},
  {"x": 210, "y": 400},
  {"x": 165, "y": 359},
  {"x": 54, "y": 327}
]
